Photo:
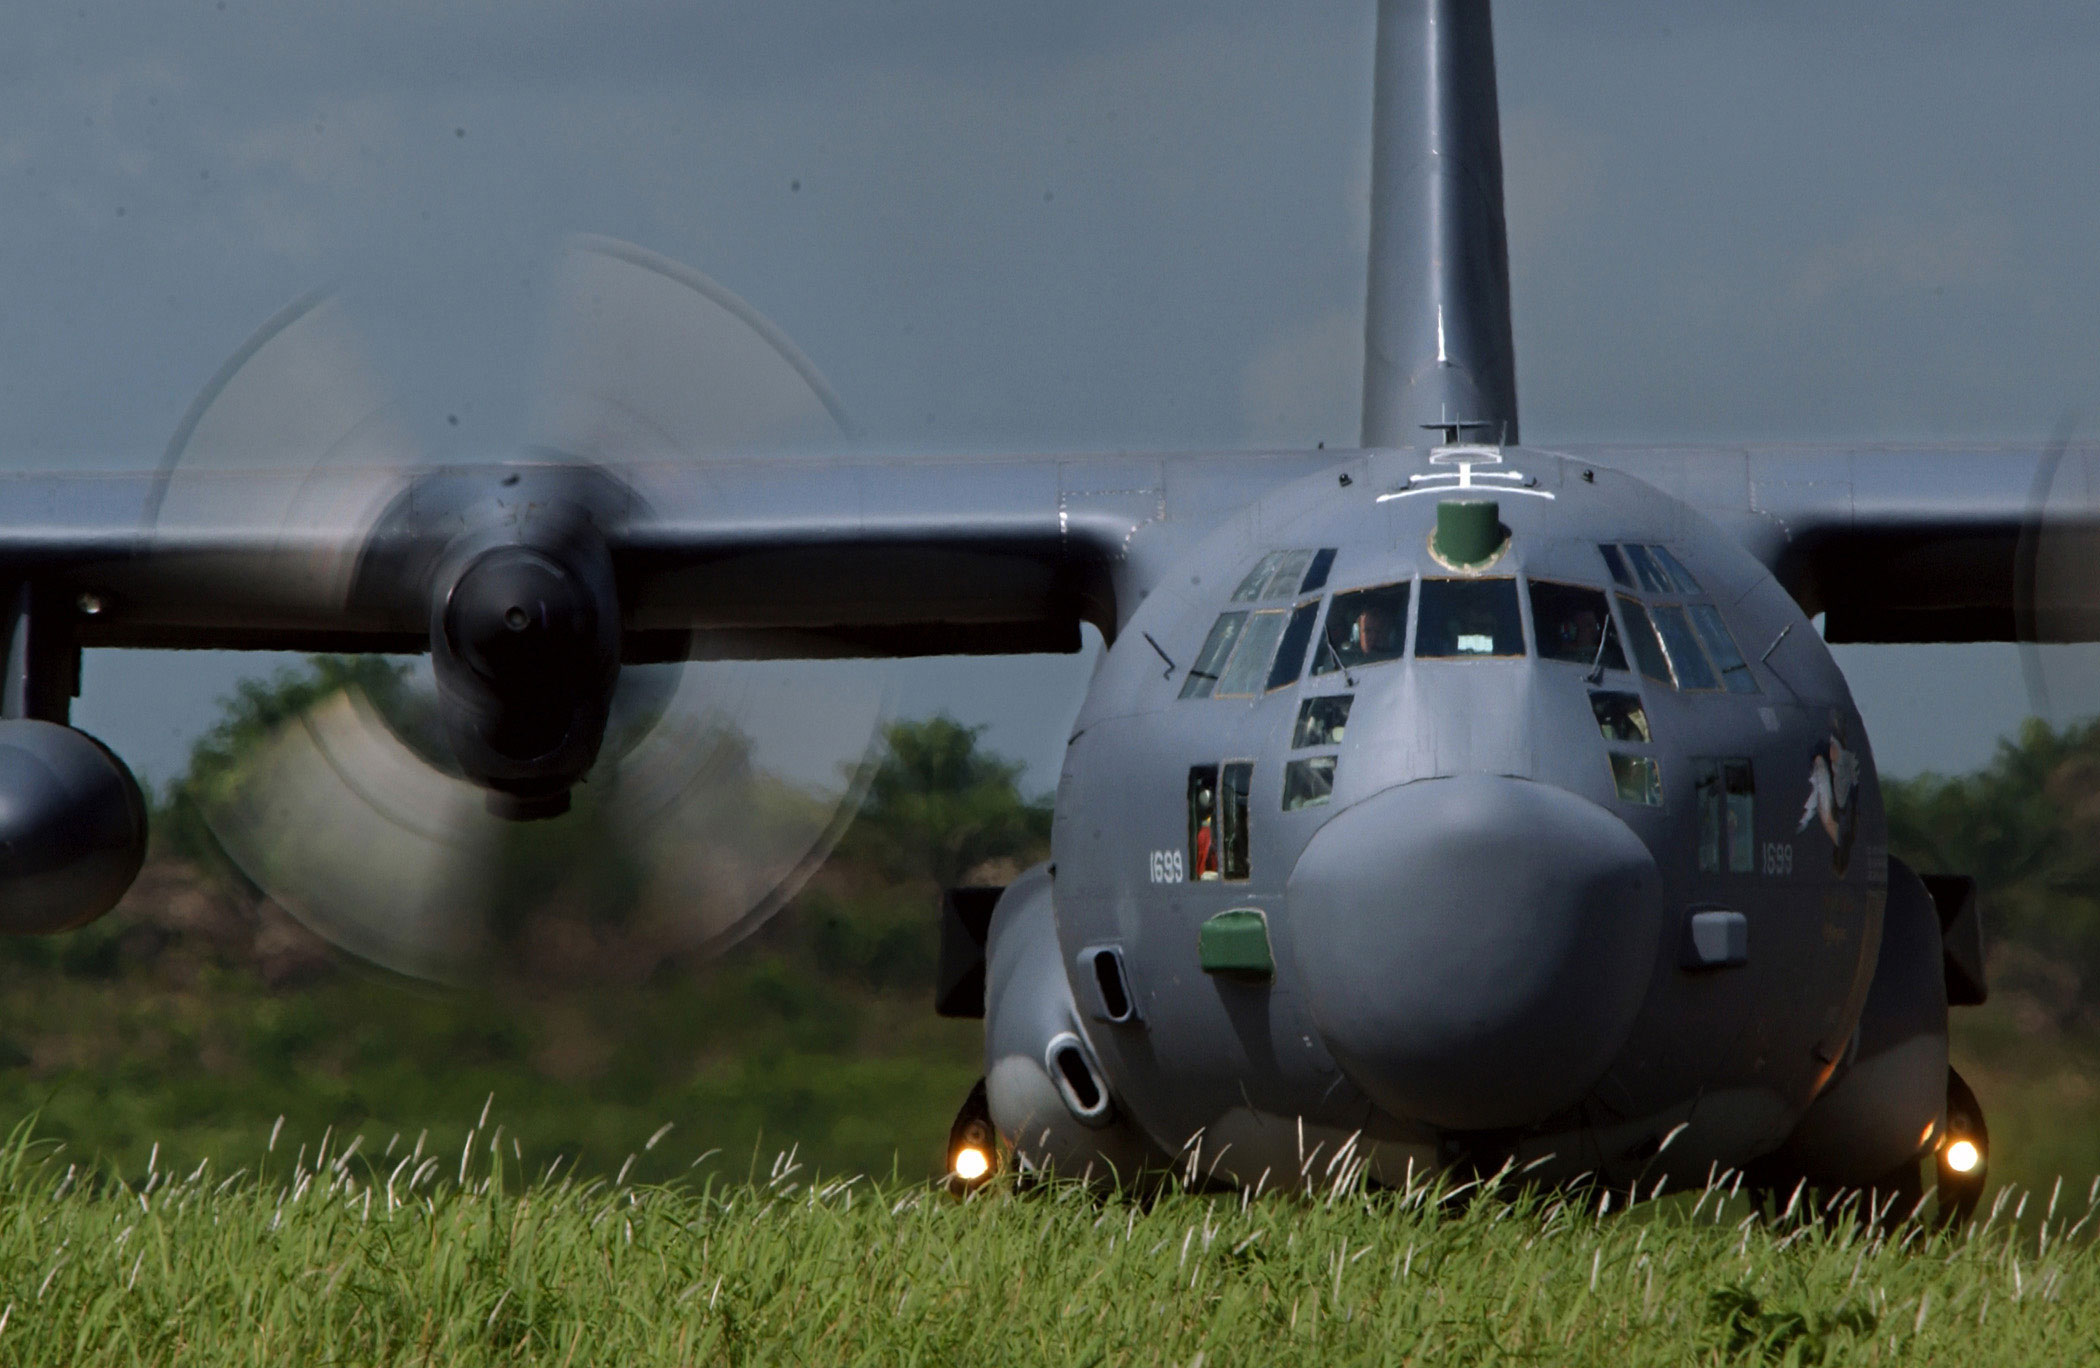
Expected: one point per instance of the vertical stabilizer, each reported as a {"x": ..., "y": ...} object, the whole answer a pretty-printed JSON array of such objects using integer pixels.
[{"x": 1437, "y": 349}]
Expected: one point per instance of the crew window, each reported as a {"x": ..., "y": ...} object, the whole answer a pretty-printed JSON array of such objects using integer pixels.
[
  {"x": 1232, "y": 816},
  {"x": 1727, "y": 815},
  {"x": 1653, "y": 577},
  {"x": 1278, "y": 574},
  {"x": 1290, "y": 656},
  {"x": 1680, "y": 578},
  {"x": 1203, "y": 822},
  {"x": 1364, "y": 627},
  {"x": 1308, "y": 783},
  {"x": 1636, "y": 780},
  {"x": 1247, "y": 671},
  {"x": 1573, "y": 622},
  {"x": 1316, "y": 573},
  {"x": 1203, "y": 675},
  {"x": 1620, "y": 716},
  {"x": 1616, "y": 563},
  {"x": 1469, "y": 618},
  {"x": 1322, "y": 720},
  {"x": 1683, "y": 647},
  {"x": 1735, "y": 671},
  {"x": 1640, "y": 635}
]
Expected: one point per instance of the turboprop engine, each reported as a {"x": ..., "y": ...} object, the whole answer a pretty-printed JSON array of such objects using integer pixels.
[{"x": 72, "y": 828}]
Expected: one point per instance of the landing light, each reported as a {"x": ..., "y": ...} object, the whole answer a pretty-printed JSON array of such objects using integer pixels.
[
  {"x": 1962, "y": 1156},
  {"x": 972, "y": 1163}
]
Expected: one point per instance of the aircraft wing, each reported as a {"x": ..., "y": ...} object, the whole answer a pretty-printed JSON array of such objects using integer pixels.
[
  {"x": 1924, "y": 543},
  {"x": 839, "y": 555}
]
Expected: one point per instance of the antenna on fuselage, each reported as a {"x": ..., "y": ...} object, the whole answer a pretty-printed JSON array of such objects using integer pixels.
[{"x": 1436, "y": 315}]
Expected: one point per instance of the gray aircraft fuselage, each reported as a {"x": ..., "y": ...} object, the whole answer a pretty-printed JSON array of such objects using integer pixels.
[{"x": 1479, "y": 890}]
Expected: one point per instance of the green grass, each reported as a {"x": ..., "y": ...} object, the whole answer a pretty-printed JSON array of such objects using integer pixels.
[{"x": 372, "y": 1258}]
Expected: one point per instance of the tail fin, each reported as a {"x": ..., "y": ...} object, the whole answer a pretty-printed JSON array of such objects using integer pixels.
[{"x": 1439, "y": 363}]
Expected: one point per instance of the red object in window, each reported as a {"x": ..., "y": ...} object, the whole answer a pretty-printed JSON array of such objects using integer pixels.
[{"x": 1206, "y": 853}]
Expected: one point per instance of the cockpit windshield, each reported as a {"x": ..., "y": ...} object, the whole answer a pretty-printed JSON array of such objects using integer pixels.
[
  {"x": 1365, "y": 627},
  {"x": 1469, "y": 618}
]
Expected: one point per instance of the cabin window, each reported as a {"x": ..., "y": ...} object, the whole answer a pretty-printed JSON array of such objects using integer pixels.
[
  {"x": 1308, "y": 783},
  {"x": 1203, "y": 822},
  {"x": 1290, "y": 656},
  {"x": 1469, "y": 618},
  {"x": 1636, "y": 779},
  {"x": 1735, "y": 671},
  {"x": 1203, "y": 675},
  {"x": 1573, "y": 623},
  {"x": 1322, "y": 720},
  {"x": 1640, "y": 634},
  {"x": 1683, "y": 647},
  {"x": 1364, "y": 627},
  {"x": 1620, "y": 716},
  {"x": 1616, "y": 563},
  {"x": 1233, "y": 795},
  {"x": 1727, "y": 815}
]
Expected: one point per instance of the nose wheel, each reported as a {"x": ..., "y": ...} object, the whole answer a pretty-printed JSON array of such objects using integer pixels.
[
  {"x": 1962, "y": 1157},
  {"x": 973, "y": 1144}
]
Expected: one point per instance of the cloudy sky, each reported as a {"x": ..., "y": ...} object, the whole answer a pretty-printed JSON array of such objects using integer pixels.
[{"x": 1076, "y": 226}]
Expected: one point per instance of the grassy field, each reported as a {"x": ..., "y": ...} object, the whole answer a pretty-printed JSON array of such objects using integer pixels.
[{"x": 460, "y": 1258}]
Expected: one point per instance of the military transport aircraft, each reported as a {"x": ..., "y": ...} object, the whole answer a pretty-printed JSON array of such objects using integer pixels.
[{"x": 1452, "y": 802}]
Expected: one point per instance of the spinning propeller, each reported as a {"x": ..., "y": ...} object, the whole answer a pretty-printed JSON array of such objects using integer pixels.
[{"x": 521, "y": 798}]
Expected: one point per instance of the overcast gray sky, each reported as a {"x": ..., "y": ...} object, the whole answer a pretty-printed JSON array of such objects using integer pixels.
[{"x": 1073, "y": 226}]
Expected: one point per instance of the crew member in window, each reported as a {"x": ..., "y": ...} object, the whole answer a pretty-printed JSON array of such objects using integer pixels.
[
  {"x": 1206, "y": 852},
  {"x": 1377, "y": 631}
]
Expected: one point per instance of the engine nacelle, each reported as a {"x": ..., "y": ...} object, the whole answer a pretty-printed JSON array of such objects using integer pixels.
[{"x": 72, "y": 828}]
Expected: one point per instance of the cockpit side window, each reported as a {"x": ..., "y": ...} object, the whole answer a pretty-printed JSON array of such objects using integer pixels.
[
  {"x": 1683, "y": 648},
  {"x": 1364, "y": 627},
  {"x": 1322, "y": 720},
  {"x": 1620, "y": 715},
  {"x": 1247, "y": 672},
  {"x": 1680, "y": 578},
  {"x": 1640, "y": 635},
  {"x": 1469, "y": 619},
  {"x": 1735, "y": 671},
  {"x": 1278, "y": 574},
  {"x": 1290, "y": 656},
  {"x": 1573, "y": 623},
  {"x": 1653, "y": 578},
  {"x": 1316, "y": 573},
  {"x": 1210, "y": 661},
  {"x": 1616, "y": 563}
]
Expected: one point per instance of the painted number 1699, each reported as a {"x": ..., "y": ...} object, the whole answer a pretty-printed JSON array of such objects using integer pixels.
[
  {"x": 1779, "y": 858},
  {"x": 1167, "y": 866}
]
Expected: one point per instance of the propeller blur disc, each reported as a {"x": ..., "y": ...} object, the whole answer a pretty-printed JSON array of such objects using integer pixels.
[{"x": 722, "y": 784}]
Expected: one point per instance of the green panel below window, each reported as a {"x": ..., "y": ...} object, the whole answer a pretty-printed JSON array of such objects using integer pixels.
[{"x": 1237, "y": 943}]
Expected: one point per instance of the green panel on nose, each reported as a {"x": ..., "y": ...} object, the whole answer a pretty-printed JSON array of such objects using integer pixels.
[{"x": 1236, "y": 943}]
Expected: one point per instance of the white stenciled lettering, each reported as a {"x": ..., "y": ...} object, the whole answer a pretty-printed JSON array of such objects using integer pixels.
[
  {"x": 1779, "y": 858},
  {"x": 1166, "y": 866}
]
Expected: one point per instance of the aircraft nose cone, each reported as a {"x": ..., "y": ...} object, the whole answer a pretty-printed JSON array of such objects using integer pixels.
[{"x": 1475, "y": 948}]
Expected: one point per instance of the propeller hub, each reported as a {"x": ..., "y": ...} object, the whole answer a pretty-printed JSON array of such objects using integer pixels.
[{"x": 525, "y": 641}]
